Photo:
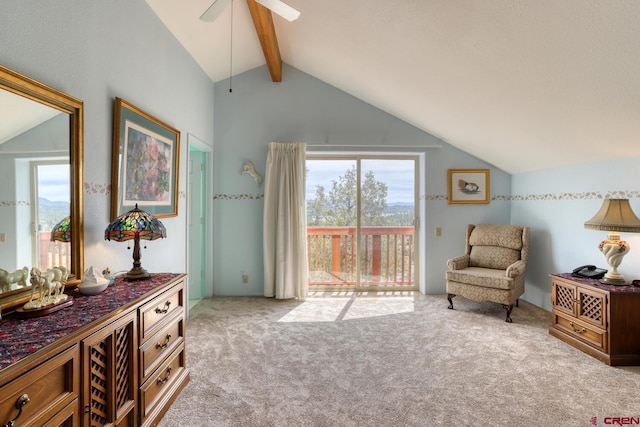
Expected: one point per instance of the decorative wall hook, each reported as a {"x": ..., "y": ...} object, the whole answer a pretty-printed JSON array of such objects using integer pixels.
[{"x": 249, "y": 169}]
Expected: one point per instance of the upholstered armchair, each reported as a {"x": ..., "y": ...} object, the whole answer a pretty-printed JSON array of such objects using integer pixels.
[{"x": 493, "y": 266}]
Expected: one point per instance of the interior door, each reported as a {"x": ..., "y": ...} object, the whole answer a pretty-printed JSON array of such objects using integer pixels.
[{"x": 197, "y": 244}]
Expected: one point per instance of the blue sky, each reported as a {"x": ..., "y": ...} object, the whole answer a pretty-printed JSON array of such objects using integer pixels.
[
  {"x": 397, "y": 174},
  {"x": 53, "y": 182}
]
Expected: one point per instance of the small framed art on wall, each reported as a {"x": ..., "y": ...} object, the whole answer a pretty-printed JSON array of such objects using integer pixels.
[{"x": 468, "y": 186}]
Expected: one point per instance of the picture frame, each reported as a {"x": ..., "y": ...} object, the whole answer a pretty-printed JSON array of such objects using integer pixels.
[
  {"x": 145, "y": 163},
  {"x": 468, "y": 186}
]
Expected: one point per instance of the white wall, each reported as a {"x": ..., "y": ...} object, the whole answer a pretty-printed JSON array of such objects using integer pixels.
[
  {"x": 97, "y": 50},
  {"x": 555, "y": 203},
  {"x": 304, "y": 109}
]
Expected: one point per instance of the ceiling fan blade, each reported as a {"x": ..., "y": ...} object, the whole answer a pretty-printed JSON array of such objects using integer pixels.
[
  {"x": 215, "y": 10},
  {"x": 282, "y": 9}
]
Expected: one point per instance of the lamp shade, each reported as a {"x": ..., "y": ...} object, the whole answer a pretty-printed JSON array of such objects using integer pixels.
[
  {"x": 615, "y": 215},
  {"x": 135, "y": 224},
  {"x": 61, "y": 232}
]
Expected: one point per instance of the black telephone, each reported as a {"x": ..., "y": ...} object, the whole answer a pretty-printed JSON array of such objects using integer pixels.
[{"x": 589, "y": 271}]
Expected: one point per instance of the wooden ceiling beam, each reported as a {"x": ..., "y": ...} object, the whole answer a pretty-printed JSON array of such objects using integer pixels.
[{"x": 263, "y": 22}]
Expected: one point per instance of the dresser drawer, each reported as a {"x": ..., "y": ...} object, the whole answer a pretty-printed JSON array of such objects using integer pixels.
[
  {"x": 161, "y": 383},
  {"x": 154, "y": 314},
  {"x": 584, "y": 332},
  {"x": 69, "y": 416},
  {"x": 160, "y": 345},
  {"x": 52, "y": 389}
]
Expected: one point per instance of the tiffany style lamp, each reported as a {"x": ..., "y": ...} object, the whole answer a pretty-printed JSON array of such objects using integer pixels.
[
  {"x": 61, "y": 232},
  {"x": 135, "y": 224}
]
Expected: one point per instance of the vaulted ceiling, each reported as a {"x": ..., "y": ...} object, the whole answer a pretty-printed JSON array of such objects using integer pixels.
[{"x": 522, "y": 84}]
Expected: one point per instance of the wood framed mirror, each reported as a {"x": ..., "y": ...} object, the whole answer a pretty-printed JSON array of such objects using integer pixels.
[{"x": 39, "y": 126}]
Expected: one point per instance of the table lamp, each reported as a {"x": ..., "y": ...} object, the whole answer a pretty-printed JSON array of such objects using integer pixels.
[
  {"x": 135, "y": 224},
  {"x": 61, "y": 232},
  {"x": 614, "y": 216}
]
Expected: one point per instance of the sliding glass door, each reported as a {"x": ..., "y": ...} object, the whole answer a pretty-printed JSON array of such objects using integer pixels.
[
  {"x": 387, "y": 220},
  {"x": 361, "y": 222},
  {"x": 50, "y": 205}
]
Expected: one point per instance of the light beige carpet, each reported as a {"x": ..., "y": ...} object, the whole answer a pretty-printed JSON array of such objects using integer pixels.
[{"x": 389, "y": 360}]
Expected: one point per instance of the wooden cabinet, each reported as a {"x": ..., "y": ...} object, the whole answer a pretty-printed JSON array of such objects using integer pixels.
[
  {"x": 108, "y": 366},
  {"x": 122, "y": 363},
  {"x": 601, "y": 320}
]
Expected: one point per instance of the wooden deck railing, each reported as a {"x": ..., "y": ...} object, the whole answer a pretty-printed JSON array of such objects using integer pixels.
[
  {"x": 53, "y": 254},
  {"x": 386, "y": 256}
]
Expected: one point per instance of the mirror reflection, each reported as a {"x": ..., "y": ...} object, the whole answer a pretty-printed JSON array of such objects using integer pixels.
[{"x": 35, "y": 191}]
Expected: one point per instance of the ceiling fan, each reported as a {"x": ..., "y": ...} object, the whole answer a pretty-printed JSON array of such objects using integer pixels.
[{"x": 276, "y": 6}]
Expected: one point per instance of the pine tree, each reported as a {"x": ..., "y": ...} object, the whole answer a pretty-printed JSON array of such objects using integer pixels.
[{"x": 339, "y": 207}]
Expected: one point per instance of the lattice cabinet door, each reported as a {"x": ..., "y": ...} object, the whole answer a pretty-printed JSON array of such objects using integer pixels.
[
  {"x": 592, "y": 306},
  {"x": 564, "y": 297},
  {"x": 109, "y": 377}
]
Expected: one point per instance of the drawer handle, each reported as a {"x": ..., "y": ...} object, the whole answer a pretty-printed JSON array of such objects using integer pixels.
[
  {"x": 165, "y": 343},
  {"x": 165, "y": 309},
  {"x": 161, "y": 381},
  {"x": 22, "y": 400},
  {"x": 580, "y": 331}
]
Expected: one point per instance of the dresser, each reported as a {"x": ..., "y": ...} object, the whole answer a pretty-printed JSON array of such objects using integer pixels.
[
  {"x": 117, "y": 358},
  {"x": 601, "y": 320}
]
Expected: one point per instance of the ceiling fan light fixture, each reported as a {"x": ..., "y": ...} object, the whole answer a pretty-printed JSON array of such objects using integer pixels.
[{"x": 282, "y": 9}]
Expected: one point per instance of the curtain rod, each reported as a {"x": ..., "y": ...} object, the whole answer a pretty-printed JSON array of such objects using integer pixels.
[{"x": 374, "y": 146}]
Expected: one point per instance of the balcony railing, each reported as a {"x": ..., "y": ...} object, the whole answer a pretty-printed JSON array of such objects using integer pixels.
[
  {"x": 53, "y": 254},
  {"x": 387, "y": 256}
]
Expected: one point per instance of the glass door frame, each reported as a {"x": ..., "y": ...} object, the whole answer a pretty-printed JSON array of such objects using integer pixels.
[{"x": 358, "y": 157}]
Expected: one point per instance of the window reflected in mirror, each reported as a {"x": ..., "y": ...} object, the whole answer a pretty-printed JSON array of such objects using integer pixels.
[
  {"x": 35, "y": 194},
  {"x": 50, "y": 215}
]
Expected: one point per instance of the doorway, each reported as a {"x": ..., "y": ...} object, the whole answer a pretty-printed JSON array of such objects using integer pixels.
[
  {"x": 199, "y": 221},
  {"x": 361, "y": 222}
]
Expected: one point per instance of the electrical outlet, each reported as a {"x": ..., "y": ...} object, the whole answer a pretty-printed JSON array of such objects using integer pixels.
[
  {"x": 3, "y": 237},
  {"x": 438, "y": 231},
  {"x": 245, "y": 278}
]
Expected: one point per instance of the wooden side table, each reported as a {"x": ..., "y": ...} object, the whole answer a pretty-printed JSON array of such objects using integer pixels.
[{"x": 601, "y": 320}]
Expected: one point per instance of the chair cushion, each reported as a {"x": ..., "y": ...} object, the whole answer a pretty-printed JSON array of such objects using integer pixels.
[
  {"x": 495, "y": 245},
  {"x": 503, "y": 235},
  {"x": 485, "y": 277},
  {"x": 493, "y": 257}
]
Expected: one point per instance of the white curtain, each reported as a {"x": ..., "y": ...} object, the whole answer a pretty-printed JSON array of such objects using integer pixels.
[{"x": 285, "y": 222}]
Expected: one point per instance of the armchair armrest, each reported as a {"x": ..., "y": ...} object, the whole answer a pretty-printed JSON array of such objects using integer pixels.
[
  {"x": 458, "y": 263},
  {"x": 516, "y": 269}
]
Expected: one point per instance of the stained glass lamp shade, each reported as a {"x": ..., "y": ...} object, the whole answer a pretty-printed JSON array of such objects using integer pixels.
[
  {"x": 135, "y": 225},
  {"x": 61, "y": 232}
]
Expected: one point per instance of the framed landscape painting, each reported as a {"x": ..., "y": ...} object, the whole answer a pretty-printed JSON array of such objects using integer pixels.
[
  {"x": 468, "y": 186},
  {"x": 145, "y": 161}
]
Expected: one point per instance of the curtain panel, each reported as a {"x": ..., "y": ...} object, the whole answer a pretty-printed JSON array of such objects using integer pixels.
[{"x": 285, "y": 222}]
